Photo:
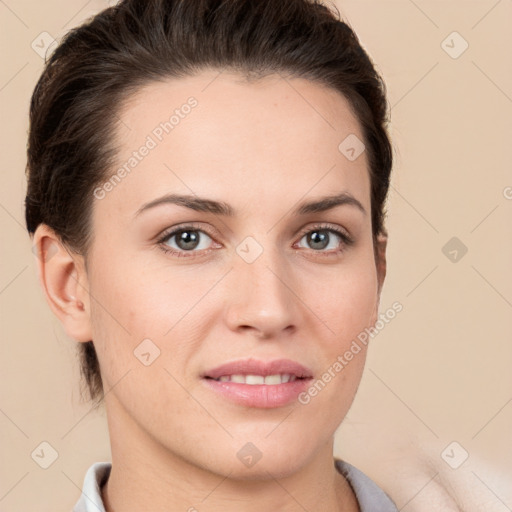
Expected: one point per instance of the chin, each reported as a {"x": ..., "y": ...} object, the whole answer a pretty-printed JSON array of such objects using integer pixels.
[
  {"x": 265, "y": 468},
  {"x": 261, "y": 457}
]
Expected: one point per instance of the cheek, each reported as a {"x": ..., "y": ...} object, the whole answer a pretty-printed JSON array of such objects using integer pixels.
[
  {"x": 132, "y": 302},
  {"x": 134, "y": 294},
  {"x": 347, "y": 302},
  {"x": 347, "y": 308}
]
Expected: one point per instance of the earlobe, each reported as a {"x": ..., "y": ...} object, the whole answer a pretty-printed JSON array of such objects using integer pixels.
[{"x": 64, "y": 282}]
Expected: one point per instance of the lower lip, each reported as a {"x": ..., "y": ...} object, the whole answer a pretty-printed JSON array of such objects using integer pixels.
[{"x": 259, "y": 395}]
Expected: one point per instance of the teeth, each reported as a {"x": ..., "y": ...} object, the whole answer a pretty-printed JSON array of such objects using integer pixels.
[
  {"x": 255, "y": 379},
  {"x": 259, "y": 379}
]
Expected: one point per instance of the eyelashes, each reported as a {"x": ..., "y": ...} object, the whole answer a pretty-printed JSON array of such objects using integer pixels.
[{"x": 193, "y": 239}]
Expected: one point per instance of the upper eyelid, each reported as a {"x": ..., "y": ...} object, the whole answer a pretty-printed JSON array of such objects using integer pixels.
[
  {"x": 325, "y": 225},
  {"x": 167, "y": 233}
]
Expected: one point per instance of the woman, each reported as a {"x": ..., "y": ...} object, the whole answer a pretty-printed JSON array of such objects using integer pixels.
[{"x": 206, "y": 189}]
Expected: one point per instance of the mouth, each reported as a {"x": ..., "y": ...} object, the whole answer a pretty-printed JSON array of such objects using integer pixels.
[
  {"x": 252, "y": 379},
  {"x": 258, "y": 384}
]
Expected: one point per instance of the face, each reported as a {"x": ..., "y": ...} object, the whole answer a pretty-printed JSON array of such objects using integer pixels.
[{"x": 208, "y": 337}]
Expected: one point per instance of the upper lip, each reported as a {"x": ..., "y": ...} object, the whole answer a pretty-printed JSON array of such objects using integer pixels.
[{"x": 256, "y": 367}]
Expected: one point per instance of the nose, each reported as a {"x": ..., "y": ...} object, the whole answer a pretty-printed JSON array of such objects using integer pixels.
[{"x": 261, "y": 295}]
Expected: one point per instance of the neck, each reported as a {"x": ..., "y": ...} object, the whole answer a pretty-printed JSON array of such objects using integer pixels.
[{"x": 150, "y": 477}]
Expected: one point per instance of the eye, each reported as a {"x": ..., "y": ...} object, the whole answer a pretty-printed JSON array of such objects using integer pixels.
[
  {"x": 326, "y": 239},
  {"x": 190, "y": 241},
  {"x": 185, "y": 239}
]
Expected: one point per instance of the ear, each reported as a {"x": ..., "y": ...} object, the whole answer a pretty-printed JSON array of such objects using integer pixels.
[
  {"x": 63, "y": 278},
  {"x": 380, "y": 265},
  {"x": 380, "y": 260}
]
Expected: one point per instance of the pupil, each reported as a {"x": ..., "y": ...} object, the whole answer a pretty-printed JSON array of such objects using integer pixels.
[
  {"x": 319, "y": 237},
  {"x": 187, "y": 239}
]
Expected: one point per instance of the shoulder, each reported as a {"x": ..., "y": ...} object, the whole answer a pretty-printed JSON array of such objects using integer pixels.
[
  {"x": 90, "y": 500},
  {"x": 370, "y": 496}
]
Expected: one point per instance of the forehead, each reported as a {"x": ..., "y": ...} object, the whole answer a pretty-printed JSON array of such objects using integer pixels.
[
  {"x": 215, "y": 128},
  {"x": 230, "y": 100}
]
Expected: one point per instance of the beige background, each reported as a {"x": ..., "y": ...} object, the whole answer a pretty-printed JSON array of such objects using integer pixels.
[{"x": 439, "y": 372}]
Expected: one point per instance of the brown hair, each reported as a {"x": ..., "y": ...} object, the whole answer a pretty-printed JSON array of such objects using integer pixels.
[{"x": 98, "y": 65}]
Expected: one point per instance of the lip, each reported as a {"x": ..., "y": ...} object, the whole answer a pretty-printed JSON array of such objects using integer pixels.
[{"x": 255, "y": 395}]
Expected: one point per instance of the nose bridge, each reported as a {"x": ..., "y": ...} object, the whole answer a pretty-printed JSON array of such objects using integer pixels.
[{"x": 261, "y": 282}]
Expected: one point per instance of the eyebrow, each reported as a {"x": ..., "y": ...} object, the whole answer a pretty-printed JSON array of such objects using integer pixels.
[{"x": 201, "y": 204}]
